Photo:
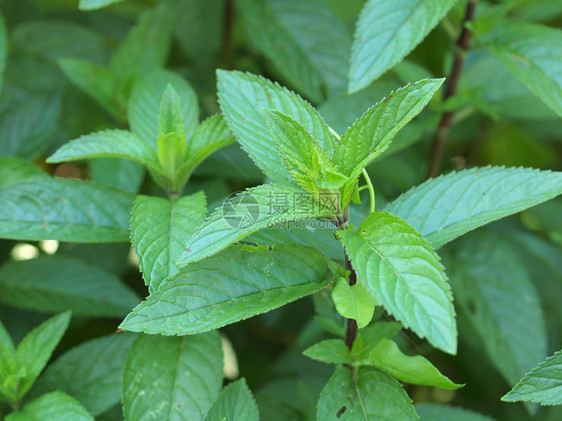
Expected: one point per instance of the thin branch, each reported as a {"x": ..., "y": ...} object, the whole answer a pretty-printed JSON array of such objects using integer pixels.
[
  {"x": 228, "y": 27},
  {"x": 463, "y": 42}
]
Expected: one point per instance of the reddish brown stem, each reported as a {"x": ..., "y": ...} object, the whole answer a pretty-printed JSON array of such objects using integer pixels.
[{"x": 463, "y": 43}]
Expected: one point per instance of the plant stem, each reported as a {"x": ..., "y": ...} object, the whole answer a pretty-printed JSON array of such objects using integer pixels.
[
  {"x": 351, "y": 325},
  {"x": 228, "y": 26},
  {"x": 462, "y": 44}
]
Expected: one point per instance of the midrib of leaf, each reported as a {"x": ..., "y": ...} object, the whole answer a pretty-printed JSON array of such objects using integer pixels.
[{"x": 358, "y": 391}]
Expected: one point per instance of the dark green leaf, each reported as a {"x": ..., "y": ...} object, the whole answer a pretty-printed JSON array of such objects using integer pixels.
[
  {"x": 494, "y": 290},
  {"x": 117, "y": 172},
  {"x": 532, "y": 53},
  {"x": 159, "y": 228},
  {"x": 329, "y": 351},
  {"x": 444, "y": 208},
  {"x": 238, "y": 283},
  {"x": 52, "y": 406},
  {"x": 242, "y": 98},
  {"x": 386, "y": 356},
  {"x": 436, "y": 412},
  {"x": 3, "y": 50},
  {"x": 181, "y": 383},
  {"x": 235, "y": 402},
  {"x": 387, "y": 32},
  {"x": 543, "y": 384},
  {"x": 90, "y": 372},
  {"x": 54, "y": 284},
  {"x": 305, "y": 40},
  {"x": 403, "y": 273},
  {"x": 35, "y": 349},
  {"x": 365, "y": 395}
]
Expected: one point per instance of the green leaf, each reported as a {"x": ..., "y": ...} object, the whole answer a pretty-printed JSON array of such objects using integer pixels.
[
  {"x": 146, "y": 98},
  {"x": 235, "y": 402},
  {"x": 386, "y": 356},
  {"x": 117, "y": 172},
  {"x": 171, "y": 136},
  {"x": 531, "y": 52},
  {"x": 28, "y": 128},
  {"x": 436, "y": 412},
  {"x": 366, "y": 394},
  {"x": 305, "y": 160},
  {"x": 159, "y": 228},
  {"x": 54, "y": 284},
  {"x": 372, "y": 133},
  {"x": 35, "y": 349},
  {"x": 5, "y": 338},
  {"x": 238, "y": 283},
  {"x": 353, "y": 302},
  {"x": 369, "y": 337},
  {"x": 444, "y": 208},
  {"x": 212, "y": 134},
  {"x": 108, "y": 143},
  {"x": 52, "y": 406},
  {"x": 329, "y": 351},
  {"x": 543, "y": 384},
  {"x": 181, "y": 383},
  {"x": 95, "y": 4},
  {"x": 306, "y": 41},
  {"x": 14, "y": 170},
  {"x": 90, "y": 372},
  {"x": 146, "y": 46},
  {"x": 493, "y": 297},
  {"x": 386, "y": 32},
  {"x": 94, "y": 80},
  {"x": 403, "y": 273},
  {"x": 243, "y": 96},
  {"x": 250, "y": 211},
  {"x": 44, "y": 208},
  {"x": 3, "y": 49}
]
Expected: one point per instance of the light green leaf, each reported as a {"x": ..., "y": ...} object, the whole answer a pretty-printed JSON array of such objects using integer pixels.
[
  {"x": 171, "y": 135},
  {"x": 366, "y": 395},
  {"x": 54, "y": 284},
  {"x": 386, "y": 356},
  {"x": 353, "y": 302},
  {"x": 305, "y": 160},
  {"x": 386, "y": 32},
  {"x": 532, "y": 53},
  {"x": 28, "y": 128},
  {"x": 44, "y": 208},
  {"x": 306, "y": 41},
  {"x": 543, "y": 384},
  {"x": 94, "y": 80},
  {"x": 146, "y": 46},
  {"x": 235, "y": 402},
  {"x": 403, "y": 273},
  {"x": 492, "y": 297},
  {"x": 90, "y": 372},
  {"x": 181, "y": 383},
  {"x": 372, "y": 133},
  {"x": 243, "y": 96},
  {"x": 3, "y": 49},
  {"x": 370, "y": 336},
  {"x": 35, "y": 349},
  {"x": 329, "y": 351},
  {"x": 212, "y": 134},
  {"x": 5, "y": 338},
  {"x": 108, "y": 143},
  {"x": 444, "y": 208},
  {"x": 52, "y": 406},
  {"x": 436, "y": 412},
  {"x": 95, "y": 4},
  {"x": 146, "y": 98},
  {"x": 238, "y": 283},
  {"x": 117, "y": 172},
  {"x": 159, "y": 228},
  {"x": 250, "y": 211}
]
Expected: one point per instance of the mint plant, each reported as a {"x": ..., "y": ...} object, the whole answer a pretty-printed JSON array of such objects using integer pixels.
[{"x": 280, "y": 210}]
